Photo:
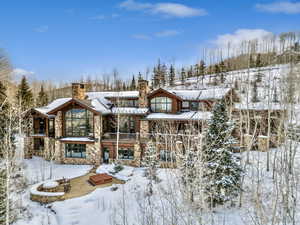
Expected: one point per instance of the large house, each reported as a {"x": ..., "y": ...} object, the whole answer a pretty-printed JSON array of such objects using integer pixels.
[{"x": 84, "y": 129}]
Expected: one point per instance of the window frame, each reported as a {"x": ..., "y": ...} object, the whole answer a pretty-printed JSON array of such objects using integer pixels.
[
  {"x": 161, "y": 104},
  {"x": 127, "y": 151},
  {"x": 70, "y": 147},
  {"x": 87, "y": 122}
]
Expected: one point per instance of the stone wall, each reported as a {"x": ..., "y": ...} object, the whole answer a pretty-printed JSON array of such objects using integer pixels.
[
  {"x": 46, "y": 199},
  {"x": 144, "y": 129},
  {"x": 58, "y": 125},
  {"x": 144, "y": 89},
  {"x": 92, "y": 156},
  {"x": 263, "y": 143},
  {"x": 49, "y": 148},
  {"x": 28, "y": 147},
  {"x": 97, "y": 153}
]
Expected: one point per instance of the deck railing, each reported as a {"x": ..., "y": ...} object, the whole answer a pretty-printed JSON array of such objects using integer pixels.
[{"x": 122, "y": 136}]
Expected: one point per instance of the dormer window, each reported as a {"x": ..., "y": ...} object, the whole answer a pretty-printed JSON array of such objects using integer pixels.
[{"x": 161, "y": 104}]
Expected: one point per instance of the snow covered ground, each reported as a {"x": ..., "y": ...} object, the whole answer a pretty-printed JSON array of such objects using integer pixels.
[{"x": 105, "y": 206}]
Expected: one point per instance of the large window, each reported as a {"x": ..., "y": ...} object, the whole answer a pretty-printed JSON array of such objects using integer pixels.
[
  {"x": 79, "y": 122},
  {"x": 125, "y": 153},
  {"x": 161, "y": 104},
  {"x": 75, "y": 150}
]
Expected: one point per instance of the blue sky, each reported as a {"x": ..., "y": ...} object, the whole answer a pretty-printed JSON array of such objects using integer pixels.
[{"x": 66, "y": 39}]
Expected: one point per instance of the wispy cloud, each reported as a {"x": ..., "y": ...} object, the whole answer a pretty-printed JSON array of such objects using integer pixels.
[
  {"x": 102, "y": 17},
  {"x": 98, "y": 17},
  {"x": 19, "y": 72},
  {"x": 41, "y": 29},
  {"x": 142, "y": 36},
  {"x": 161, "y": 34},
  {"x": 167, "y": 33},
  {"x": 164, "y": 8},
  {"x": 286, "y": 7},
  {"x": 240, "y": 36}
]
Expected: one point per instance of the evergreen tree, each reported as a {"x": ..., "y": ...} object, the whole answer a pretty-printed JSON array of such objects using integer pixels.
[
  {"x": 251, "y": 61},
  {"x": 3, "y": 196},
  {"x": 222, "y": 172},
  {"x": 42, "y": 97},
  {"x": 190, "y": 72},
  {"x": 254, "y": 93},
  {"x": 3, "y": 114},
  {"x": 163, "y": 75},
  {"x": 172, "y": 76},
  {"x": 133, "y": 84},
  {"x": 150, "y": 161},
  {"x": 223, "y": 70},
  {"x": 258, "y": 62},
  {"x": 182, "y": 76},
  {"x": 24, "y": 95}
]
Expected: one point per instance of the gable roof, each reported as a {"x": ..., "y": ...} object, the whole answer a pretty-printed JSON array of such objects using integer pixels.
[{"x": 163, "y": 91}]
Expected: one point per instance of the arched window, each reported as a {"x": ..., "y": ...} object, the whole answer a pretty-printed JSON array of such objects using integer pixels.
[
  {"x": 161, "y": 104},
  {"x": 79, "y": 123}
]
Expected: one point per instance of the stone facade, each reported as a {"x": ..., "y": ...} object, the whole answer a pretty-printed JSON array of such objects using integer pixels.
[
  {"x": 58, "y": 125},
  {"x": 263, "y": 143},
  {"x": 247, "y": 141},
  {"x": 28, "y": 147},
  {"x": 144, "y": 129},
  {"x": 143, "y": 93},
  {"x": 98, "y": 133},
  {"x": 78, "y": 91}
]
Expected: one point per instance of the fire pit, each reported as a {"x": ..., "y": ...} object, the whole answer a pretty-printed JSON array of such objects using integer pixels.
[{"x": 100, "y": 179}]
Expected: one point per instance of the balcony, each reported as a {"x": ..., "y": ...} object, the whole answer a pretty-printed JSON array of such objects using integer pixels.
[{"x": 122, "y": 136}]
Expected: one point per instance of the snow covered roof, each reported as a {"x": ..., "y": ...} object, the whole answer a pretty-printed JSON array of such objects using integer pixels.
[
  {"x": 182, "y": 116},
  {"x": 113, "y": 94},
  {"x": 77, "y": 139},
  {"x": 258, "y": 106},
  {"x": 206, "y": 94},
  {"x": 56, "y": 103},
  {"x": 129, "y": 110}
]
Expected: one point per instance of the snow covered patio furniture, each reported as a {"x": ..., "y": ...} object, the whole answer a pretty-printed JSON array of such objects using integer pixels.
[{"x": 100, "y": 179}]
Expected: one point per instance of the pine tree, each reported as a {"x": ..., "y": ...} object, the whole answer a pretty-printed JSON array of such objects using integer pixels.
[
  {"x": 222, "y": 172},
  {"x": 42, "y": 97},
  {"x": 172, "y": 76},
  {"x": 3, "y": 113},
  {"x": 3, "y": 196},
  {"x": 24, "y": 95},
  {"x": 258, "y": 62},
  {"x": 133, "y": 84},
  {"x": 190, "y": 72},
  {"x": 223, "y": 70},
  {"x": 150, "y": 161},
  {"x": 163, "y": 75},
  {"x": 254, "y": 93},
  {"x": 182, "y": 76}
]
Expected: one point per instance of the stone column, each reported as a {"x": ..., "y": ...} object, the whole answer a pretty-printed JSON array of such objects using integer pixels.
[
  {"x": 144, "y": 129},
  {"x": 247, "y": 141},
  {"x": 98, "y": 133},
  {"x": 58, "y": 134},
  {"x": 144, "y": 89},
  {"x": 28, "y": 147},
  {"x": 137, "y": 154},
  {"x": 263, "y": 143}
]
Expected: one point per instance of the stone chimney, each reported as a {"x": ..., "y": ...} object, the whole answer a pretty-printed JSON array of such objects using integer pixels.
[
  {"x": 78, "y": 91},
  {"x": 144, "y": 90}
]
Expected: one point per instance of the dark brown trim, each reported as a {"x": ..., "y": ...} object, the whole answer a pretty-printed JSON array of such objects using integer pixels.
[
  {"x": 169, "y": 94},
  {"x": 72, "y": 101}
]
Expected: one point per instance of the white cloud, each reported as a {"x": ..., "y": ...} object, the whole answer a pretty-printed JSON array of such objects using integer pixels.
[
  {"x": 98, "y": 17},
  {"x": 280, "y": 7},
  {"x": 164, "y": 8},
  {"x": 41, "y": 29},
  {"x": 19, "y": 72},
  {"x": 178, "y": 10},
  {"x": 167, "y": 33},
  {"x": 240, "y": 36},
  {"x": 141, "y": 36}
]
